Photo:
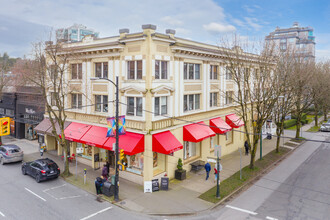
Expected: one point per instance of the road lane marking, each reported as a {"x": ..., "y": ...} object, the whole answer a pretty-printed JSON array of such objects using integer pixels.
[
  {"x": 242, "y": 210},
  {"x": 92, "y": 215},
  {"x": 3, "y": 215},
  {"x": 35, "y": 194},
  {"x": 54, "y": 187},
  {"x": 271, "y": 218}
]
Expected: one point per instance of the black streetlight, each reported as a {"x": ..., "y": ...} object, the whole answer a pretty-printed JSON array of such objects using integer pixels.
[{"x": 117, "y": 134}]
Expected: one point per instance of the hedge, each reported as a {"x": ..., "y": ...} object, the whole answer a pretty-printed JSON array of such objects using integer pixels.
[{"x": 290, "y": 123}]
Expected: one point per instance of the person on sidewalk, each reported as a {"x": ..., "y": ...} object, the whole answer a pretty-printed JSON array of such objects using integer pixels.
[
  {"x": 105, "y": 171},
  {"x": 215, "y": 174},
  {"x": 98, "y": 185},
  {"x": 246, "y": 146},
  {"x": 207, "y": 169}
]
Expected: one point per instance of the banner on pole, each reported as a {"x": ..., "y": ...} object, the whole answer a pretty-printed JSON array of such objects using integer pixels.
[{"x": 111, "y": 122}]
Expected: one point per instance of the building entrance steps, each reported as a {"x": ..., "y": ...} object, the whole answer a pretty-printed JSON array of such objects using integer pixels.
[{"x": 182, "y": 196}]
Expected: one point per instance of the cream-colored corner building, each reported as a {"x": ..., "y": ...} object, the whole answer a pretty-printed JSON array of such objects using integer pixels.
[{"x": 166, "y": 85}]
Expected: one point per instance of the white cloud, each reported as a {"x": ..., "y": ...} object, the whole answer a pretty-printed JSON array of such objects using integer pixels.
[
  {"x": 238, "y": 22},
  {"x": 253, "y": 23},
  {"x": 248, "y": 9},
  {"x": 219, "y": 28},
  {"x": 171, "y": 20}
]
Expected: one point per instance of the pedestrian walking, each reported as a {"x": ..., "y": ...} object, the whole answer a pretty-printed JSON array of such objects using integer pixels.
[
  {"x": 246, "y": 146},
  {"x": 98, "y": 185},
  {"x": 105, "y": 171},
  {"x": 215, "y": 174},
  {"x": 207, "y": 169}
]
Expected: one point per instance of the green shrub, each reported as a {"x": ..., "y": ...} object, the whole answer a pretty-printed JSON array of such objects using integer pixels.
[
  {"x": 290, "y": 123},
  {"x": 179, "y": 166}
]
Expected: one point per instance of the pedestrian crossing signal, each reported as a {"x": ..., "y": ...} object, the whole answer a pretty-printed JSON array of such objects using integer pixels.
[{"x": 4, "y": 126}]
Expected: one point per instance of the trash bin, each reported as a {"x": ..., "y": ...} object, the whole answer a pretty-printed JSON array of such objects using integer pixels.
[
  {"x": 269, "y": 136},
  {"x": 113, "y": 179},
  {"x": 108, "y": 189}
]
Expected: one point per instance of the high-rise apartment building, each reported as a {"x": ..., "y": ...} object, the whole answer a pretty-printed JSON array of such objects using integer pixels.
[
  {"x": 74, "y": 33},
  {"x": 300, "y": 39}
]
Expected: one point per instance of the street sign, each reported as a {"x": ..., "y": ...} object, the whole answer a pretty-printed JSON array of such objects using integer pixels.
[
  {"x": 147, "y": 187},
  {"x": 79, "y": 150},
  {"x": 217, "y": 149}
]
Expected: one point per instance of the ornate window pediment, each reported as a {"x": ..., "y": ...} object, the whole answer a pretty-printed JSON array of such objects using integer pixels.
[
  {"x": 162, "y": 90},
  {"x": 133, "y": 90}
]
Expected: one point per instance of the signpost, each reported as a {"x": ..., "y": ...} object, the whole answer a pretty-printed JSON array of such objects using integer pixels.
[
  {"x": 217, "y": 151},
  {"x": 240, "y": 163}
]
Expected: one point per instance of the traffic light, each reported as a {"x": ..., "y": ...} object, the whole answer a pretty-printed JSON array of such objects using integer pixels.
[
  {"x": 121, "y": 154},
  {"x": 4, "y": 126}
]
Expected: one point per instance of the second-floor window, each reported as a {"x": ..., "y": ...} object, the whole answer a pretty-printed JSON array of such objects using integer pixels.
[
  {"x": 134, "y": 106},
  {"x": 161, "y": 69},
  {"x": 53, "y": 98},
  {"x": 76, "y": 71},
  {"x": 101, "y": 70},
  {"x": 134, "y": 69},
  {"x": 191, "y": 102},
  {"x": 76, "y": 101},
  {"x": 229, "y": 97},
  {"x": 101, "y": 103},
  {"x": 191, "y": 71},
  {"x": 213, "y": 99},
  {"x": 214, "y": 72},
  {"x": 161, "y": 105}
]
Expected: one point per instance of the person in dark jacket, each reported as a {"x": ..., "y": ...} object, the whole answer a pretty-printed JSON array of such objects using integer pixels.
[
  {"x": 105, "y": 172},
  {"x": 207, "y": 169},
  {"x": 98, "y": 185},
  {"x": 246, "y": 146}
]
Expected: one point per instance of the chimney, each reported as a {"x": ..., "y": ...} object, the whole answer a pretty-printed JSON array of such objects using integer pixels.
[
  {"x": 170, "y": 32},
  {"x": 149, "y": 28},
  {"x": 123, "y": 32}
]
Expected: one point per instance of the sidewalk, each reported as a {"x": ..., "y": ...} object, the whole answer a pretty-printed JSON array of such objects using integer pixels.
[{"x": 182, "y": 196}]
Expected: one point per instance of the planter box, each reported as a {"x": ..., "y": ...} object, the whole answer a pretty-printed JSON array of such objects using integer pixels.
[{"x": 180, "y": 174}]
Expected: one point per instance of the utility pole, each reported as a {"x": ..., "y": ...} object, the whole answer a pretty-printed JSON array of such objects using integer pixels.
[
  {"x": 261, "y": 145},
  {"x": 117, "y": 142},
  {"x": 218, "y": 176}
]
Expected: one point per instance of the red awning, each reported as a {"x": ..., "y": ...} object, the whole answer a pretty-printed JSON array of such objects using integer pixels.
[
  {"x": 96, "y": 136},
  {"x": 197, "y": 132},
  {"x": 131, "y": 143},
  {"x": 165, "y": 143},
  {"x": 234, "y": 121},
  {"x": 219, "y": 126},
  {"x": 75, "y": 131}
]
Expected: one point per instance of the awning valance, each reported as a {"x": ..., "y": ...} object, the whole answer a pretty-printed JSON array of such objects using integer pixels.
[
  {"x": 234, "y": 121},
  {"x": 43, "y": 126},
  {"x": 75, "y": 131},
  {"x": 219, "y": 126},
  {"x": 96, "y": 136},
  {"x": 165, "y": 143},
  {"x": 131, "y": 143},
  {"x": 57, "y": 128},
  {"x": 197, "y": 132}
]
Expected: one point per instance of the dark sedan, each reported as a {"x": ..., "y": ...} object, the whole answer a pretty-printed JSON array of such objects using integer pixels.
[{"x": 41, "y": 169}]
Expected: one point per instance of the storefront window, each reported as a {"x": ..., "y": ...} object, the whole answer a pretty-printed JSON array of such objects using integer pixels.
[
  {"x": 86, "y": 152},
  {"x": 135, "y": 163},
  {"x": 155, "y": 159},
  {"x": 189, "y": 150}
]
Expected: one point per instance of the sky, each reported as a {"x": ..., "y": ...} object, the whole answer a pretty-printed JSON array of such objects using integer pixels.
[{"x": 23, "y": 22}]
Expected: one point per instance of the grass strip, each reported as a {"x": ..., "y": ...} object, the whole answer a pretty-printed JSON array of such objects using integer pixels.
[{"x": 233, "y": 182}]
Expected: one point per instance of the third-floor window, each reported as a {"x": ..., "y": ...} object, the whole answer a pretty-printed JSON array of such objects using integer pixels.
[
  {"x": 213, "y": 99},
  {"x": 161, "y": 69},
  {"x": 134, "y": 106},
  {"x": 134, "y": 69},
  {"x": 101, "y": 70},
  {"x": 191, "y": 71},
  {"x": 101, "y": 103},
  {"x": 214, "y": 72},
  {"x": 76, "y": 71},
  {"x": 161, "y": 105},
  {"x": 76, "y": 101},
  {"x": 229, "y": 73}
]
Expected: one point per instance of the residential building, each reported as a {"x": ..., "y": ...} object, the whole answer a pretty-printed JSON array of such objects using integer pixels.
[
  {"x": 174, "y": 93},
  {"x": 300, "y": 39},
  {"x": 74, "y": 33}
]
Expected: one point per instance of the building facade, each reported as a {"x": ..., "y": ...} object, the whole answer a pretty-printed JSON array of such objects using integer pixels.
[
  {"x": 74, "y": 33},
  {"x": 175, "y": 94},
  {"x": 300, "y": 39}
]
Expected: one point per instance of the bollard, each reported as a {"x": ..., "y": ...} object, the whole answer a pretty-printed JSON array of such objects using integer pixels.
[{"x": 85, "y": 172}]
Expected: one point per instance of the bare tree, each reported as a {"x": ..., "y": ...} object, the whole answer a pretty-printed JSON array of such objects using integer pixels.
[
  {"x": 47, "y": 70},
  {"x": 251, "y": 68}
]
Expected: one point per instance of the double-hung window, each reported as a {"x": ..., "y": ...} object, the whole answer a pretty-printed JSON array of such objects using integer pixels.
[
  {"x": 53, "y": 98},
  {"x": 213, "y": 99},
  {"x": 134, "y": 106},
  {"x": 191, "y": 102},
  {"x": 134, "y": 69},
  {"x": 229, "y": 74},
  {"x": 161, "y": 105},
  {"x": 76, "y": 101},
  {"x": 191, "y": 71},
  {"x": 214, "y": 72},
  {"x": 161, "y": 69},
  {"x": 229, "y": 97},
  {"x": 101, "y": 70},
  {"x": 76, "y": 71},
  {"x": 101, "y": 103}
]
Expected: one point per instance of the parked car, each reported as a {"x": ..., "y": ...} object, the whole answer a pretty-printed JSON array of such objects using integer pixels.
[
  {"x": 10, "y": 153},
  {"x": 325, "y": 126},
  {"x": 41, "y": 169}
]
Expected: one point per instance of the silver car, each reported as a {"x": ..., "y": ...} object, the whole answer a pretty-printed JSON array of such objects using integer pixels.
[
  {"x": 325, "y": 126},
  {"x": 10, "y": 153}
]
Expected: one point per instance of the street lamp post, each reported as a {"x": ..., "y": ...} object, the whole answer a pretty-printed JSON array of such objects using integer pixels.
[{"x": 117, "y": 134}]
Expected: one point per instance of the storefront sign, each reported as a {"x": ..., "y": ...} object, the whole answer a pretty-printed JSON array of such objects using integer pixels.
[
  {"x": 30, "y": 111},
  {"x": 155, "y": 185},
  {"x": 164, "y": 183},
  {"x": 147, "y": 187},
  {"x": 79, "y": 150}
]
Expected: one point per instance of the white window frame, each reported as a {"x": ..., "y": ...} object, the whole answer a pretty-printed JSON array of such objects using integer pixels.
[
  {"x": 135, "y": 106},
  {"x": 78, "y": 73},
  {"x": 102, "y": 69},
  {"x": 188, "y": 146},
  {"x": 76, "y": 105},
  {"x": 160, "y": 112},
  {"x": 186, "y": 71},
  {"x": 193, "y": 102},
  {"x": 229, "y": 136},
  {"x": 135, "y": 69},
  {"x": 160, "y": 71},
  {"x": 214, "y": 99},
  {"x": 104, "y": 107},
  {"x": 229, "y": 74},
  {"x": 229, "y": 99},
  {"x": 214, "y": 73}
]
